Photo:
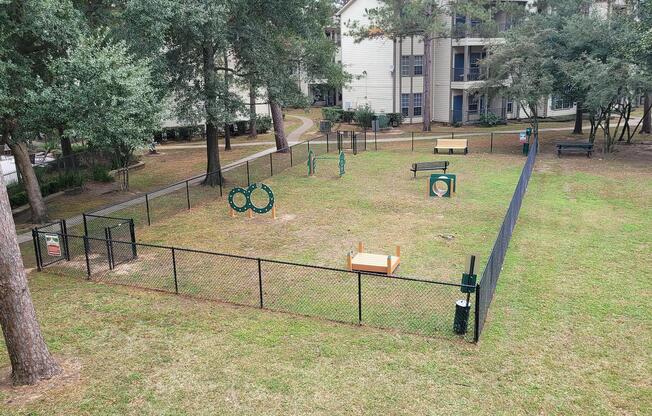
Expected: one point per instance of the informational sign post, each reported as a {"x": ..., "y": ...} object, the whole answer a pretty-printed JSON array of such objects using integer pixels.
[{"x": 53, "y": 245}]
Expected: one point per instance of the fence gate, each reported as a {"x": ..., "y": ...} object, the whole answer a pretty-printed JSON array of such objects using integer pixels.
[
  {"x": 120, "y": 243},
  {"x": 51, "y": 243}
]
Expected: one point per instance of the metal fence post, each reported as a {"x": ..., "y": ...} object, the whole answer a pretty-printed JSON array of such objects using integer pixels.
[
  {"x": 88, "y": 262},
  {"x": 327, "y": 148},
  {"x": 220, "y": 178},
  {"x": 491, "y": 143},
  {"x": 290, "y": 156},
  {"x": 174, "y": 270},
  {"x": 107, "y": 237},
  {"x": 85, "y": 225},
  {"x": 412, "y": 134},
  {"x": 375, "y": 141},
  {"x": 64, "y": 230},
  {"x": 271, "y": 165},
  {"x": 248, "y": 180},
  {"x": 37, "y": 249},
  {"x": 132, "y": 234},
  {"x": 476, "y": 329},
  {"x": 188, "y": 194},
  {"x": 260, "y": 282},
  {"x": 359, "y": 299},
  {"x": 149, "y": 220},
  {"x": 452, "y": 134}
]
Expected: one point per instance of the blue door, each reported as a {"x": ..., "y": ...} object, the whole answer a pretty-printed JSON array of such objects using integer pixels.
[
  {"x": 458, "y": 67},
  {"x": 457, "y": 108}
]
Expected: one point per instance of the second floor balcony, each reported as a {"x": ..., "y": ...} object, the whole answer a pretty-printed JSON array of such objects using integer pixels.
[{"x": 472, "y": 73}]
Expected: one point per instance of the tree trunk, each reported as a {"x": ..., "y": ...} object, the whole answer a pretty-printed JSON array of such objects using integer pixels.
[
  {"x": 227, "y": 126},
  {"x": 227, "y": 136},
  {"x": 279, "y": 130},
  {"x": 30, "y": 182},
  {"x": 578, "y": 119},
  {"x": 427, "y": 81},
  {"x": 252, "y": 111},
  {"x": 29, "y": 356},
  {"x": 212, "y": 150},
  {"x": 66, "y": 151},
  {"x": 647, "y": 114}
]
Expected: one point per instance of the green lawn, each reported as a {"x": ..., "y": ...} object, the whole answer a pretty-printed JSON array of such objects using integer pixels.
[{"x": 569, "y": 331}]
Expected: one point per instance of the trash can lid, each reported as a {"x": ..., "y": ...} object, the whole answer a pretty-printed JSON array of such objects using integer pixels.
[{"x": 462, "y": 303}]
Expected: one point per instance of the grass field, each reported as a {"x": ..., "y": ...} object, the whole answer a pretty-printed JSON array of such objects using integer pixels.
[{"x": 568, "y": 333}]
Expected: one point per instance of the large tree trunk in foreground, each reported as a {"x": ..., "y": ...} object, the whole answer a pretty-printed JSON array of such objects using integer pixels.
[
  {"x": 427, "y": 81},
  {"x": 578, "y": 119},
  {"x": 279, "y": 130},
  {"x": 30, "y": 182},
  {"x": 252, "y": 111},
  {"x": 647, "y": 114},
  {"x": 29, "y": 356},
  {"x": 212, "y": 150}
]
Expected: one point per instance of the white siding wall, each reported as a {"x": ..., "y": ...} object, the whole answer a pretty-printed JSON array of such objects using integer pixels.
[{"x": 373, "y": 56}]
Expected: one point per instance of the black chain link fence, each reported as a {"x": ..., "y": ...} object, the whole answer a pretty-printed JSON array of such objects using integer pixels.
[
  {"x": 160, "y": 204},
  {"x": 411, "y": 305},
  {"x": 487, "y": 287}
]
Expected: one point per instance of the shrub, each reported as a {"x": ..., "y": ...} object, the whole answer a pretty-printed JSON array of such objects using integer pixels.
[
  {"x": 332, "y": 114},
  {"x": 364, "y": 115},
  {"x": 241, "y": 126},
  {"x": 18, "y": 199},
  {"x": 347, "y": 116},
  {"x": 395, "y": 118},
  {"x": 263, "y": 124},
  {"x": 490, "y": 119},
  {"x": 101, "y": 174}
]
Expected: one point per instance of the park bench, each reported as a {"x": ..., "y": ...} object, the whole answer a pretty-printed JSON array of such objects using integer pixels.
[
  {"x": 424, "y": 166},
  {"x": 452, "y": 144},
  {"x": 580, "y": 147}
]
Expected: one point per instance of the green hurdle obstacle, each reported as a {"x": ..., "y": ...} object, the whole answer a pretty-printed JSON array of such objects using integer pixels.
[{"x": 312, "y": 162}]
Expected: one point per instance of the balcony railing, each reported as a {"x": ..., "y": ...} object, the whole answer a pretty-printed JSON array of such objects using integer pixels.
[
  {"x": 480, "y": 30},
  {"x": 475, "y": 115},
  {"x": 473, "y": 73}
]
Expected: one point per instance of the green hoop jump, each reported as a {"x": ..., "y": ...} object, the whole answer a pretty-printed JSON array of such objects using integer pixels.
[
  {"x": 249, "y": 205},
  {"x": 312, "y": 162}
]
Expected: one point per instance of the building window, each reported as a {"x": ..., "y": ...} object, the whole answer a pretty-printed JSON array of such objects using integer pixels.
[
  {"x": 417, "y": 100},
  {"x": 473, "y": 103},
  {"x": 405, "y": 105},
  {"x": 418, "y": 64},
  {"x": 405, "y": 65},
  {"x": 509, "y": 106},
  {"x": 560, "y": 104}
]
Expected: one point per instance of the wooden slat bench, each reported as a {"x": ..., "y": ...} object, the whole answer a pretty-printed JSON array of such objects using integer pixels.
[
  {"x": 424, "y": 166},
  {"x": 580, "y": 147},
  {"x": 452, "y": 144}
]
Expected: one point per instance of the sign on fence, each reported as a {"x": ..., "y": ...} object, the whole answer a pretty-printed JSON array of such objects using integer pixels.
[
  {"x": 53, "y": 245},
  {"x": 522, "y": 137}
]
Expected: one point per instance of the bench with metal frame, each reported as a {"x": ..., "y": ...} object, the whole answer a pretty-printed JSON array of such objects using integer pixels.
[
  {"x": 452, "y": 144},
  {"x": 425, "y": 166},
  {"x": 579, "y": 147}
]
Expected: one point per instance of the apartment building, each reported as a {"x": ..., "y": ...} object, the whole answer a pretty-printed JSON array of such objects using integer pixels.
[{"x": 388, "y": 75}]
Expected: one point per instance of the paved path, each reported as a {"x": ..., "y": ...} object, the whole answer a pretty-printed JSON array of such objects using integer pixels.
[{"x": 307, "y": 124}]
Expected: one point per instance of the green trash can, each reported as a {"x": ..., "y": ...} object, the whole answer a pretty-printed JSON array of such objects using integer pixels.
[
  {"x": 461, "y": 322},
  {"x": 526, "y": 148}
]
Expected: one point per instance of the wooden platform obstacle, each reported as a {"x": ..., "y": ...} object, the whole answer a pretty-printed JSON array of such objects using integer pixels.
[{"x": 374, "y": 263}]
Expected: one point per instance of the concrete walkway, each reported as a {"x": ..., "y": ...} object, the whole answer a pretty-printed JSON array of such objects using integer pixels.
[{"x": 307, "y": 124}]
